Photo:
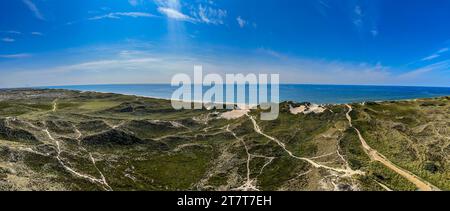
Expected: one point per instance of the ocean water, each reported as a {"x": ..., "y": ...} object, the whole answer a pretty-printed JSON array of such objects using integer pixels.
[{"x": 320, "y": 94}]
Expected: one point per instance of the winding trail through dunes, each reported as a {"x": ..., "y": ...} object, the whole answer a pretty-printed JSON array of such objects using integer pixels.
[
  {"x": 376, "y": 156},
  {"x": 249, "y": 184},
  {"x": 55, "y": 105},
  {"x": 101, "y": 181},
  {"x": 347, "y": 172},
  {"x": 72, "y": 171}
]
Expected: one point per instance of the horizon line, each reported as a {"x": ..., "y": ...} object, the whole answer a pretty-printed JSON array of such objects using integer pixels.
[
  {"x": 304, "y": 84},
  {"x": 307, "y": 84}
]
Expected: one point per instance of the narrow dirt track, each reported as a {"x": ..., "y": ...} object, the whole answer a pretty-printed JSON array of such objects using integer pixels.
[
  {"x": 345, "y": 172},
  {"x": 420, "y": 183},
  {"x": 101, "y": 181},
  {"x": 55, "y": 105}
]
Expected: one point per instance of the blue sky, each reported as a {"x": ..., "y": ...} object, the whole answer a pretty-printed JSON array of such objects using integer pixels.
[{"x": 382, "y": 42}]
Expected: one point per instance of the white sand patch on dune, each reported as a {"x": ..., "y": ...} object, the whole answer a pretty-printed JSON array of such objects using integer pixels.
[
  {"x": 316, "y": 109},
  {"x": 234, "y": 114},
  {"x": 304, "y": 109},
  {"x": 298, "y": 110}
]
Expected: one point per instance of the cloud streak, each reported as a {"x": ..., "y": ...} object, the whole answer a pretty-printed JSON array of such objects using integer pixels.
[
  {"x": 118, "y": 15},
  {"x": 198, "y": 14},
  {"x": 37, "y": 33},
  {"x": 431, "y": 57},
  {"x": 34, "y": 9},
  {"x": 435, "y": 55},
  {"x": 174, "y": 14},
  {"x": 8, "y": 39},
  {"x": 14, "y": 56},
  {"x": 12, "y": 32},
  {"x": 439, "y": 66}
]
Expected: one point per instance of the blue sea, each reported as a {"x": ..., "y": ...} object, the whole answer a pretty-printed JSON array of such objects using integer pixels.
[{"x": 319, "y": 94}]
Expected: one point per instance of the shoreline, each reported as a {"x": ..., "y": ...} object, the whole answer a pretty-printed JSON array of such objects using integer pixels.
[
  {"x": 240, "y": 105},
  {"x": 252, "y": 105},
  {"x": 245, "y": 106}
]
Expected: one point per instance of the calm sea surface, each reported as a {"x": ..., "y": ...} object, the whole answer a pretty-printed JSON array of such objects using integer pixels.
[{"x": 320, "y": 94}]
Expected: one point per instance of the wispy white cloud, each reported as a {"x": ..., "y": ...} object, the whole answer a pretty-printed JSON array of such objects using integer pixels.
[
  {"x": 14, "y": 56},
  {"x": 105, "y": 65},
  {"x": 358, "y": 10},
  {"x": 271, "y": 53},
  {"x": 12, "y": 32},
  {"x": 374, "y": 32},
  {"x": 174, "y": 4},
  {"x": 435, "y": 55},
  {"x": 324, "y": 4},
  {"x": 8, "y": 39},
  {"x": 322, "y": 7},
  {"x": 172, "y": 9},
  {"x": 364, "y": 19},
  {"x": 135, "y": 3},
  {"x": 439, "y": 66},
  {"x": 210, "y": 15},
  {"x": 118, "y": 15},
  {"x": 33, "y": 8},
  {"x": 443, "y": 50},
  {"x": 37, "y": 33},
  {"x": 358, "y": 16},
  {"x": 241, "y": 22},
  {"x": 174, "y": 14},
  {"x": 431, "y": 57}
]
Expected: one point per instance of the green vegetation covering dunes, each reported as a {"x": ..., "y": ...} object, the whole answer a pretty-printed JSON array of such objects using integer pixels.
[
  {"x": 14, "y": 134},
  {"x": 412, "y": 134},
  {"x": 68, "y": 140}
]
